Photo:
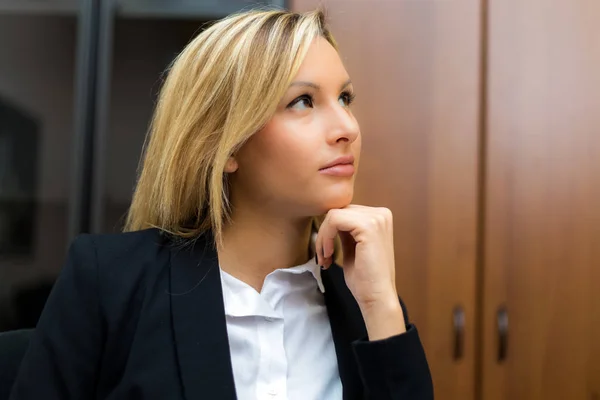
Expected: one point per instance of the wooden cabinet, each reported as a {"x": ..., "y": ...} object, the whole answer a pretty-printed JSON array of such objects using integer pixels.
[
  {"x": 481, "y": 130},
  {"x": 542, "y": 200}
]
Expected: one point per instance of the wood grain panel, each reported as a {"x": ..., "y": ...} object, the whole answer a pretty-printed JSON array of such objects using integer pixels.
[
  {"x": 542, "y": 237},
  {"x": 415, "y": 68}
]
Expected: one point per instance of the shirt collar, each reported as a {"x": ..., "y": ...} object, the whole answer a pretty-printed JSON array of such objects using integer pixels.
[
  {"x": 310, "y": 266},
  {"x": 241, "y": 300}
]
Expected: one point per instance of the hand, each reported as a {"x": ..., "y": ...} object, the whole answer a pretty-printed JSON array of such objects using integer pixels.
[{"x": 367, "y": 240}]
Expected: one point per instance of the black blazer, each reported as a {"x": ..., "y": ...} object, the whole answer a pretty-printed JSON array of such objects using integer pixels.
[{"x": 135, "y": 316}]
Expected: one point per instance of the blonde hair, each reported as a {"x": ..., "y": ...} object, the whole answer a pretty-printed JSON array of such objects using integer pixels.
[{"x": 222, "y": 88}]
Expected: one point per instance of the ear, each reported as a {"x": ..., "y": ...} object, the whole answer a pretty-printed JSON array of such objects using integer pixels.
[{"x": 231, "y": 165}]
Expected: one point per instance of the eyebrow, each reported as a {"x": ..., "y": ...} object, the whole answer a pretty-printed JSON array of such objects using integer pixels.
[{"x": 317, "y": 87}]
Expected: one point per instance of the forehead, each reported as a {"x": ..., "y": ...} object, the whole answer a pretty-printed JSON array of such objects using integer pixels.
[{"x": 322, "y": 63}]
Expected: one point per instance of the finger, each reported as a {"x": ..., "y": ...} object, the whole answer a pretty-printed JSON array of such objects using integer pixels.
[
  {"x": 328, "y": 247},
  {"x": 339, "y": 220},
  {"x": 319, "y": 245},
  {"x": 356, "y": 207},
  {"x": 319, "y": 249},
  {"x": 366, "y": 210},
  {"x": 327, "y": 240}
]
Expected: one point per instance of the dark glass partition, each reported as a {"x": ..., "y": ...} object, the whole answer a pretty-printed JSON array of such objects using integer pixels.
[
  {"x": 37, "y": 106},
  {"x": 78, "y": 81}
]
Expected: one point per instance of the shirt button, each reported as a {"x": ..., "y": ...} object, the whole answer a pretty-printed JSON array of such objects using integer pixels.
[
  {"x": 272, "y": 392},
  {"x": 270, "y": 319}
]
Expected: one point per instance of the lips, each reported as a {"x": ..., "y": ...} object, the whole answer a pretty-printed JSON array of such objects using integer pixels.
[
  {"x": 341, "y": 166},
  {"x": 340, "y": 161}
]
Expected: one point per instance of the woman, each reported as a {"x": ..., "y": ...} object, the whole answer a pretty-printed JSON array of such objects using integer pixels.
[{"x": 225, "y": 284}]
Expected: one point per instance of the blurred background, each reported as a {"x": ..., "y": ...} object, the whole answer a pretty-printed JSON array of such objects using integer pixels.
[{"x": 481, "y": 131}]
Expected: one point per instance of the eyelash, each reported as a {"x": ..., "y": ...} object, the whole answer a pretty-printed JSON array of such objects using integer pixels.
[
  {"x": 347, "y": 94},
  {"x": 350, "y": 96}
]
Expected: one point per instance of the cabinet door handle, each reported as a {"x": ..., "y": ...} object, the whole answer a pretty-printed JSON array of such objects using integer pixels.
[
  {"x": 502, "y": 321},
  {"x": 458, "y": 317}
]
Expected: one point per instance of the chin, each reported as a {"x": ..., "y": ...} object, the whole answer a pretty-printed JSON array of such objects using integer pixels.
[
  {"x": 340, "y": 200},
  {"x": 328, "y": 198}
]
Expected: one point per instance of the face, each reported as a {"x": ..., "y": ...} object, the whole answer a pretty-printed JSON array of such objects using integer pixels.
[{"x": 303, "y": 162}]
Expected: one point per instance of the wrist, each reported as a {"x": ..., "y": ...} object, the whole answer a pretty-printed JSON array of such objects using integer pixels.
[{"x": 383, "y": 318}]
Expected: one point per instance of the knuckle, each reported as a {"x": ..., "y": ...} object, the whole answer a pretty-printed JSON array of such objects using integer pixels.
[
  {"x": 387, "y": 214},
  {"x": 374, "y": 221},
  {"x": 332, "y": 216},
  {"x": 385, "y": 211}
]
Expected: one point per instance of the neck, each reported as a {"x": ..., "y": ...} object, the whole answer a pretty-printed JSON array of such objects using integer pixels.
[{"x": 255, "y": 244}]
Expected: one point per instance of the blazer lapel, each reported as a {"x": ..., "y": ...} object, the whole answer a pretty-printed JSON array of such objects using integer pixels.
[
  {"x": 347, "y": 326},
  {"x": 198, "y": 322}
]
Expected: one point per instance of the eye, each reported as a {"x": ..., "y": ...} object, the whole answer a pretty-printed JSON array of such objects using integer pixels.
[
  {"x": 346, "y": 98},
  {"x": 302, "y": 102}
]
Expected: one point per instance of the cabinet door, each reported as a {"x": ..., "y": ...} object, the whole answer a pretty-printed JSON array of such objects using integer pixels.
[
  {"x": 542, "y": 235},
  {"x": 415, "y": 68}
]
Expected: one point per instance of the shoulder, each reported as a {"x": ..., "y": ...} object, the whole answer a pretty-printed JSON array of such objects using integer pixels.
[
  {"x": 121, "y": 259},
  {"x": 140, "y": 245},
  {"x": 118, "y": 242},
  {"x": 121, "y": 269}
]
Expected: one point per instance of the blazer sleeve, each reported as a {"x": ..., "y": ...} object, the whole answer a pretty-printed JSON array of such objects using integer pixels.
[
  {"x": 63, "y": 357},
  {"x": 395, "y": 368}
]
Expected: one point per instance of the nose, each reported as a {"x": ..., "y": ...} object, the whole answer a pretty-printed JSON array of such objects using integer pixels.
[{"x": 343, "y": 127}]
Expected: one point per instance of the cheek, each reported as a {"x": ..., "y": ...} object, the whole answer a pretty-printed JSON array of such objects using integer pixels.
[
  {"x": 281, "y": 152},
  {"x": 288, "y": 142},
  {"x": 357, "y": 149}
]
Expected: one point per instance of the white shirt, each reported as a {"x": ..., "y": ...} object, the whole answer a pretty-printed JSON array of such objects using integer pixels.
[{"x": 280, "y": 339}]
